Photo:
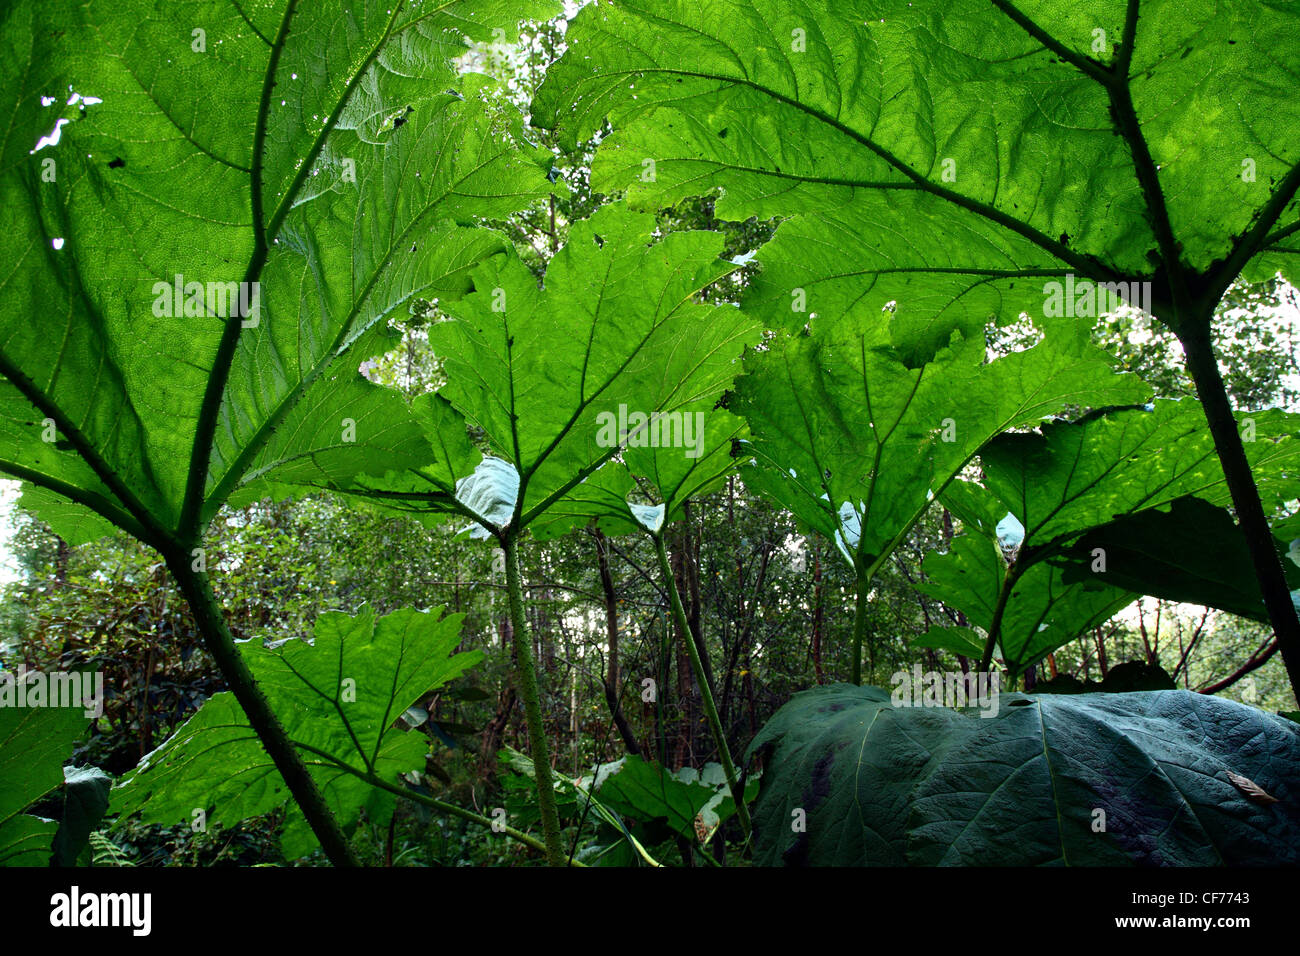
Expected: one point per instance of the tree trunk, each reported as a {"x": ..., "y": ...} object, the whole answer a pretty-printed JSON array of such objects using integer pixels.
[
  {"x": 817, "y": 616},
  {"x": 613, "y": 683}
]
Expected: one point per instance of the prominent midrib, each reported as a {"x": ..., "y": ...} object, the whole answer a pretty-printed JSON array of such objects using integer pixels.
[
  {"x": 540, "y": 508},
  {"x": 196, "y": 504},
  {"x": 290, "y": 400},
  {"x": 1089, "y": 266},
  {"x": 522, "y": 517},
  {"x": 105, "y": 507}
]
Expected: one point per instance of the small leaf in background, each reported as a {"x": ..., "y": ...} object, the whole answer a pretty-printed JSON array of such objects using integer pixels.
[
  {"x": 959, "y": 640},
  {"x": 338, "y": 697}
]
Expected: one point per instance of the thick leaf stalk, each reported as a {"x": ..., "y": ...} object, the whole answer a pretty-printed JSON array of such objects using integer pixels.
[
  {"x": 221, "y": 645},
  {"x": 442, "y": 806},
  {"x": 529, "y": 690},
  {"x": 1203, "y": 366},
  {"x": 859, "y": 625},
  {"x": 1009, "y": 582},
  {"x": 706, "y": 692}
]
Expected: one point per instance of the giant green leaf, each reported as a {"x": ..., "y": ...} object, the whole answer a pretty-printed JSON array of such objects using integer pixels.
[
  {"x": 614, "y": 330},
  {"x": 1029, "y": 786},
  {"x": 1194, "y": 553},
  {"x": 836, "y": 785},
  {"x": 1091, "y": 780},
  {"x": 950, "y": 156},
  {"x": 338, "y": 698},
  {"x": 648, "y": 484},
  {"x": 330, "y": 156},
  {"x": 1071, "y": 476},
  {"x": 856, "y": 435}
]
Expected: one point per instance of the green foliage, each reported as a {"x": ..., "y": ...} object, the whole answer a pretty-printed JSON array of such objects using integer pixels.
[
  {"x": 85, "y": 801},
  {"x": 301, "y": 174},
  {"x": 635, "y": 803},
  {"x": 1193, "y": 552},
  {"x": 826, "y": 298},
  {"x": 334, "y": 244},
  {"x": 857, "y": 120},
  {"x": 540, "y": 372},
  {"x": 34, "y": 742},
  {"x": 1063, "y": 486},
  {"x": 616, "y": 326},
  {"x": 1040, "y": 611},
  {"x": 1077, "y": 475},
  {"x": 1095, "y": 779},
  {"x": 339, "y": 699},
  {"x": 692, "y": 803},
  {"x": 856, "y": 435}
]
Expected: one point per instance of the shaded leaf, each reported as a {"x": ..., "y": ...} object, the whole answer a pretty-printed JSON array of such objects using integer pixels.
[
  {"x": 1094, "y": 779},
  {"x": 1194, "y": 552},
  {"x": 85, "y": 801},
  {"x": 34, "y": 742}
]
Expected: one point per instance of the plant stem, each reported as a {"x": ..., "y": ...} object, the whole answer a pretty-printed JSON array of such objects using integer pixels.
[
  {"x": 1203, "y": 366},
  {"x": 372, "y": 778},
  {"x": 221, "y": 645},
  {"x": 528, "y": 689},
  {"x": 995, "y": 625},
  {"x": 612, "y": 684},
  {"x": 860, "y": 626},
  {"x": 706, "y": 692},
  {"x": 442, "y": 806}
]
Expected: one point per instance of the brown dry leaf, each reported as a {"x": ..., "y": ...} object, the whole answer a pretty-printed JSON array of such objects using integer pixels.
[{"x": 1251, "y": 789}]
